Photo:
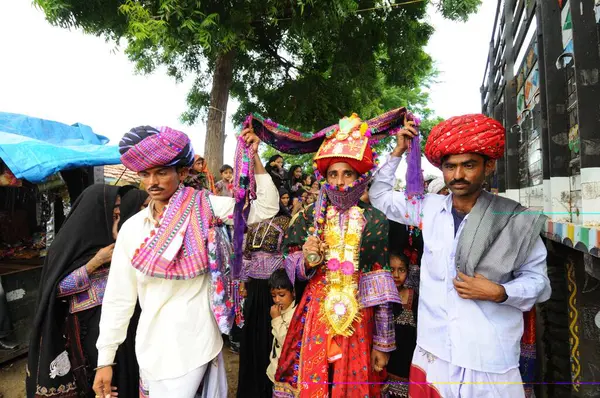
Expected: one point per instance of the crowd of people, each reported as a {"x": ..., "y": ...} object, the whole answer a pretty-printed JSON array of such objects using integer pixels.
[{"x": 348, "y": 288}]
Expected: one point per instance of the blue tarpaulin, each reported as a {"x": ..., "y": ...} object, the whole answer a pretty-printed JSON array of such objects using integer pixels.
[{"x": 34, "y": 148}]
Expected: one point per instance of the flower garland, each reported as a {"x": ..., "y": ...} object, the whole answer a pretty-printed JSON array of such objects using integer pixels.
[
  {"x": 221, "y": 301},
  {"x": 415, "y": 187},
  {"x": 340, "y": 307},
  {"x": 279, "y": 127},
  {"x": 244, "y": 191},
  {"x": 238, "y": 301}
]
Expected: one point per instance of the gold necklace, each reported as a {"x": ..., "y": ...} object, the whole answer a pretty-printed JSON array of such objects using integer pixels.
[{"x": 341, "y": 307}]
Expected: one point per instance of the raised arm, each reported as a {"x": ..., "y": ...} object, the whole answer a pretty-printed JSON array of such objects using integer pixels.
[
  {"x": 382, "y": 195},
  {"x": 264, "y": 207},
  {"x": 266, "y": 204}
]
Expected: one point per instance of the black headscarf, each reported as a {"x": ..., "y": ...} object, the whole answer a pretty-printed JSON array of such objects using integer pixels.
[
  {"x": 87, "y": 229},
  {"x": 278, "y": 175},
  {"x": 284, "y": 210},
  {"x": 125, "y": 189},
  {"x": 131, "y": 204}
]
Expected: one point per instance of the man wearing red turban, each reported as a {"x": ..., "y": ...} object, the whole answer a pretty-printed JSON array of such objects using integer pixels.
[{"x": 483, "y": 265}]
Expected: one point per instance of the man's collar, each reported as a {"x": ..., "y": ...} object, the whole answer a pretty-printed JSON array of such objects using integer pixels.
[
  {"x": 447, "y": 204},
  {"x": 149, "y": 212}
]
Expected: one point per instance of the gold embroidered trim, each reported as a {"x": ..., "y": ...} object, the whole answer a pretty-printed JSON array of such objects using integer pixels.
[{"x": 54, "y": 391}]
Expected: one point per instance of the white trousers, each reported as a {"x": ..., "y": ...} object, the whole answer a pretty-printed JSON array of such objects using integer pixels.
[
  {"x": 187, "y": 386},
  {"x": 431, "y": 377}
]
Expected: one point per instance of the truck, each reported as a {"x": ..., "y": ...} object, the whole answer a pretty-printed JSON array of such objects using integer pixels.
[{"x": 542, "y": 81}]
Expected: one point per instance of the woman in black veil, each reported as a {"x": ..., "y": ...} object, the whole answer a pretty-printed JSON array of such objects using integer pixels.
[{"x": 62, "y": 350}]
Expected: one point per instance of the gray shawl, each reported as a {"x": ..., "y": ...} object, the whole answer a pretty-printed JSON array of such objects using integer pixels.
[{"x": 497, "y": 237}]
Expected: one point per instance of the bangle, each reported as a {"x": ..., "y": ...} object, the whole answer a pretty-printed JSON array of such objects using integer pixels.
[{"x": 105, "y": 366}]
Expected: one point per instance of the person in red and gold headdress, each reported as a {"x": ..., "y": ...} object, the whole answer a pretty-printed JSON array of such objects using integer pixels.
[
  {"x": 478, "y": 277},
  {"x": 339, "y": 339}
]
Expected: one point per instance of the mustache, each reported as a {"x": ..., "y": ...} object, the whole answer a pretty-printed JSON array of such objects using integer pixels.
[
  {"x": 155, "y": 188},
  {"x": 454, "y": 182}
]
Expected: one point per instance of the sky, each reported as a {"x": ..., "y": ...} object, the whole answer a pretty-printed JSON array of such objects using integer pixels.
[{"x": 67, "y": 76}]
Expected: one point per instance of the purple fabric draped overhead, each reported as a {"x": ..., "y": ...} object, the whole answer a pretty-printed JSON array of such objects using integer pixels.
[{"x": 290, "y": 141}]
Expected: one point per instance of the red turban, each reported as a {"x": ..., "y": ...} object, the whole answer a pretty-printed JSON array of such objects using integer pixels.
[
  {"x": 475, "y": 133},
  {"x": 360, "y": 166}
]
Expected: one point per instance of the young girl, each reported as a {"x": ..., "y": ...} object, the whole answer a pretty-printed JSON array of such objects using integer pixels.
[
  {"x": 200, "y": 177},
  {"x": 282, "y": 292},
  {"x": 405, "y": 323},
  {"x": 307, "y": 181},
  {"x": 295, "y": 179},
  {"x": 274, "y": 168}
]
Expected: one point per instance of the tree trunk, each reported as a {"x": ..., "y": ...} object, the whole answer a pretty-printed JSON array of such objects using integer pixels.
[{"x": 215, "y": 127}]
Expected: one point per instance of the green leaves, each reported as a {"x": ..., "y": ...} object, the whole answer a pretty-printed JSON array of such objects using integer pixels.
[
  {"x": 458, "y": 10},
  {"x": 304, "y": 63}
]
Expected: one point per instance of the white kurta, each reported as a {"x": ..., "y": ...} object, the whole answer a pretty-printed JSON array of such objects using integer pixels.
[
  {"x": 478, "y": 335},
  {"x": 177, "y": 332}
]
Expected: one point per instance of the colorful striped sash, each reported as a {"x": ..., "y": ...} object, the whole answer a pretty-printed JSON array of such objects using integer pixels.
[{"x": 176, "y": 247}]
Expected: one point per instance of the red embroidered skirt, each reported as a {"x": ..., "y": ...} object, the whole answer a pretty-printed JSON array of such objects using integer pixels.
[{"x": 304, "y": 369}]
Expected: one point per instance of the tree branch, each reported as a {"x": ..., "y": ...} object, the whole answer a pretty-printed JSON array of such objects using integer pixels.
[{"x": 287, "y": 64}]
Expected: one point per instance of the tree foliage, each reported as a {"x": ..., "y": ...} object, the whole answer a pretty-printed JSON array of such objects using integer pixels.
[
  {"x": 301, "y": 62},
  {"x": 415, "y": 99}
]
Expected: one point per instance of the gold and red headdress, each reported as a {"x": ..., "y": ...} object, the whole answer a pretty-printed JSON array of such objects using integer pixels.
[{"x": 347, "y": 142}]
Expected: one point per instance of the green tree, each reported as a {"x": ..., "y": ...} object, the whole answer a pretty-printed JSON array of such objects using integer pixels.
[{"x": 298, "y": 61}]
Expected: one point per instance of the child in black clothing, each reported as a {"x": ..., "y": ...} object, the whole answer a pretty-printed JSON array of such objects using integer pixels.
[{"x": 405, "y": 323}]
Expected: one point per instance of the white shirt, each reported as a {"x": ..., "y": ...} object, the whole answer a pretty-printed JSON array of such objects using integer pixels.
[
  {"x": 177, "y": 332},
  {"x": 473, "y": 334}
]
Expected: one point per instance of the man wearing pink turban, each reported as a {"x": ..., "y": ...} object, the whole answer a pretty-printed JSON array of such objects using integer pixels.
[
  {"x": 171, "y": 257},
  {"x": 483, "y": 265}
]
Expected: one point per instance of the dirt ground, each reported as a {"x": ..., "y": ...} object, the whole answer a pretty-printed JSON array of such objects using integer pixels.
[
  {"x": 12, "y": 379},
  {"x": 12, "y": 376}
]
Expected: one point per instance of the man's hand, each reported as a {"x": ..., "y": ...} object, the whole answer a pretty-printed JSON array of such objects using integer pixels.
[
  {"x": 403, "y": 137},
  {"x": 297, "y": 206},
  {"x": 479, "y": 288},
  {"x": 313, "y": 245},
  {"x": 102, "y": 383},
  {"x": 379, "y": 360},
  {"x": 250, "y": 138},
  {"x": 275, "y": 311},
  {"x": 253, "y": 141}
]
